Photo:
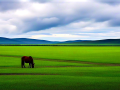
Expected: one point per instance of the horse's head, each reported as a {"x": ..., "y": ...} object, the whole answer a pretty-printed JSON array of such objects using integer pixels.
[{"x": 33, "y": 65}]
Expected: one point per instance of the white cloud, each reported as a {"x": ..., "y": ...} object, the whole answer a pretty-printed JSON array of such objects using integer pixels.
[
  {"x": 62, "y": 37},
  {"x": 8, "y": 29},
  {"x": 57, "y": 35},
  {"x": 80, "y": 36}
]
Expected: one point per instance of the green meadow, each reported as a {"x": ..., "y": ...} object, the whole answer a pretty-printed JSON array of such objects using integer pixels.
[
  {"x": 55, "y": 71},
  {"x": 101, "y": 54}
]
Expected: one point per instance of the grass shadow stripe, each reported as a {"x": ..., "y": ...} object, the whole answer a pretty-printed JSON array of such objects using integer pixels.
[
  {"x": 27, "y": 74},
  {"x": 61, "y": 66},
  {"x": 75, "y": 61}
]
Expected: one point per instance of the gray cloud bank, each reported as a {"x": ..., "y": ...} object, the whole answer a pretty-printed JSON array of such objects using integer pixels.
[
  {"x": 112, "y": 2},
  {"x": 9, "y": 4}
]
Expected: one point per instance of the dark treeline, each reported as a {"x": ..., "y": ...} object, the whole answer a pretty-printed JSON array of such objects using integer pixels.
[{"x": 59, "y": 45}]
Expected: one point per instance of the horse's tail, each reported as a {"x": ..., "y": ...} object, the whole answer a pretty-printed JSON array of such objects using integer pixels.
[{"x": 22, "y": 61}]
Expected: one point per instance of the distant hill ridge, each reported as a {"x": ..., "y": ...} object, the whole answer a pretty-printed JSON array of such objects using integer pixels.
[
  {"x": 99, "y": 42},
  {"x": 24, "y": 41},
  {"x": 4, "y": 40}
]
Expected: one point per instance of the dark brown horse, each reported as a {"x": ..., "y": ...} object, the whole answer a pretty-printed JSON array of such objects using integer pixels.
[{"x": 26, "y": 59}]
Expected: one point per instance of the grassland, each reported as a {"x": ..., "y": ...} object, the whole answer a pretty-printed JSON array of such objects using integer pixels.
[
  {"x": 101, "y": 54},
  {"x": 61, "y": 73}
]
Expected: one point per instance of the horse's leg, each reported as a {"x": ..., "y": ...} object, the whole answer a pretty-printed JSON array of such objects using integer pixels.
[
  {"x": 22, "y": 62},
  {"x": 24, "y": 65},
  {"x": 30, "y": 65}
]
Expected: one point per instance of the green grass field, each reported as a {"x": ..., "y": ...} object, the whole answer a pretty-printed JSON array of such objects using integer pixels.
[
  {"x": 61, "y": 73},
  {"x": 103, "y": 54}
]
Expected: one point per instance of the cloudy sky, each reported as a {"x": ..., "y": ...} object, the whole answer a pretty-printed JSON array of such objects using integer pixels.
[{"x": 60, "y": 20}]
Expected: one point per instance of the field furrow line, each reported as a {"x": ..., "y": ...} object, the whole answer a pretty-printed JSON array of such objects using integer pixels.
[{"x": 69, "y": 61}]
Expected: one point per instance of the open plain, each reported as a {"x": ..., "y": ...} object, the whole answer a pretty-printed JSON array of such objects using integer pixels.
[{"x": 60, "y": 68}]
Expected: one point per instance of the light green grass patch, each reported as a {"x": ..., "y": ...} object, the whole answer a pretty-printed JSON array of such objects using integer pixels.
[{"x": 102, "y": 54}]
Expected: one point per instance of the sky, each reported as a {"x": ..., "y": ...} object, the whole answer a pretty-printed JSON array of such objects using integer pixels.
[{"x": 60, "y": 20}]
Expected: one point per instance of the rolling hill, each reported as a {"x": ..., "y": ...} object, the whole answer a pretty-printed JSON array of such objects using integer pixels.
[
  {"x": 23, "y": 41},
  {"x": 74, "y": 41},
  {"x": 96, "y": 42},
  {"x": 7, "y": 41}
]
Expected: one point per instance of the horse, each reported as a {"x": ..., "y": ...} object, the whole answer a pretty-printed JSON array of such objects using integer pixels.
[{"x": 26, "y": 59}]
